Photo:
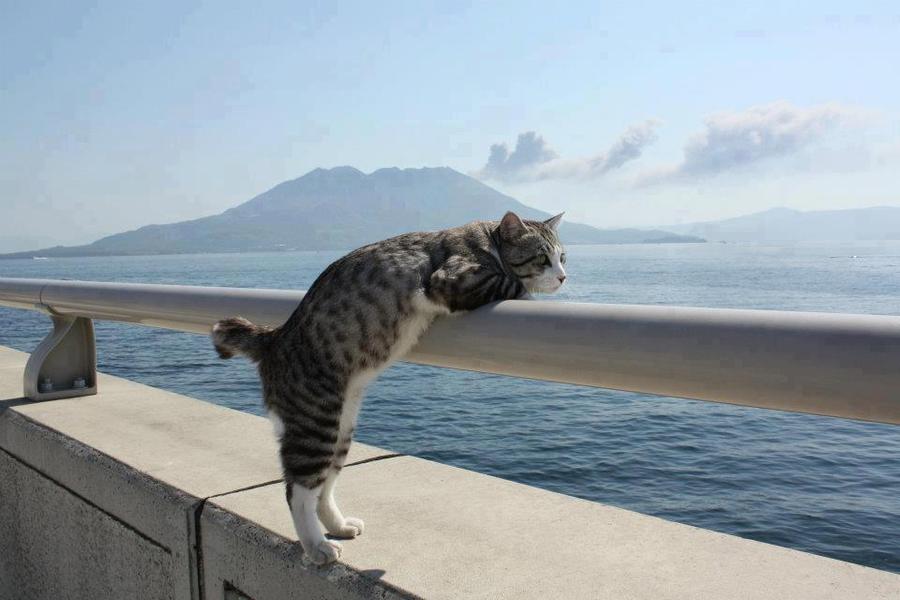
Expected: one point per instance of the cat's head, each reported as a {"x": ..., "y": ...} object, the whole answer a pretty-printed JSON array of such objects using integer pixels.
[{"x": 533, "y": 252}]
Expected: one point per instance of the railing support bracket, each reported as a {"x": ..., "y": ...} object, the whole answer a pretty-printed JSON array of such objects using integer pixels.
[{"x": 64, "y": 365}]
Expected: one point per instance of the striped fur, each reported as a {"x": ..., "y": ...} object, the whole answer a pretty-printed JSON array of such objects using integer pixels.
[{"x": 363, "y": 312}]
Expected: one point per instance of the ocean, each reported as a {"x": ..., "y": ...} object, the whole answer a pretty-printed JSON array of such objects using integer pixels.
[{"x": 823, "y": 485}]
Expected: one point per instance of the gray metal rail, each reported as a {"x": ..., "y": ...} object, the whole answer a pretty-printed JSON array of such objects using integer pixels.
[{"x": 828, "y": 364}]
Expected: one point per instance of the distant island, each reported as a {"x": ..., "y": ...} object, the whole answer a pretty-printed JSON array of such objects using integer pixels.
[
  {"x": 789, "y": 225},
  {"x": 340, "y": 209}
]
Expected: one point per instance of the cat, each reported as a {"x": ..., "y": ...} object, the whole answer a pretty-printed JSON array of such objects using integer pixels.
[{"x": 363, "y": 312}]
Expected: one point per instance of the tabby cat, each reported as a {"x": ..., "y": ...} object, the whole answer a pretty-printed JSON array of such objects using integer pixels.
[{"x": 363, "y": 312}]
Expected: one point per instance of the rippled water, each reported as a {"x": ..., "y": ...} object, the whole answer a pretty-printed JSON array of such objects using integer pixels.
[{"x": 823, "y": 485}]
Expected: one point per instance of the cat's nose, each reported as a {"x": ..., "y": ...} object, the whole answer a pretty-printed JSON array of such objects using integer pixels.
[{"x": 561, "y": 278}]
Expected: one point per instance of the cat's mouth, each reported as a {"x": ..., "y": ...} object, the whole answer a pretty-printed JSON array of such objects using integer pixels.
[
  {"x": 555, "y": 288},
  {"x": 541, "y": 288}
]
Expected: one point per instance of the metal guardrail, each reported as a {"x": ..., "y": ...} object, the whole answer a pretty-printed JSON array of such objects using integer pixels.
[{"x": 828, "y": 364}]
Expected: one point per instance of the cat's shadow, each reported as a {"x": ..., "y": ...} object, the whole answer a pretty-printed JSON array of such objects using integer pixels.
[{"x": 374, "y": 574}]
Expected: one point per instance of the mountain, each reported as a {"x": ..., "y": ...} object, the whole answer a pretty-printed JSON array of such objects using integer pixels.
[
  {"x": 788, "y": 225},
  {"x": 341, "y": 209}
]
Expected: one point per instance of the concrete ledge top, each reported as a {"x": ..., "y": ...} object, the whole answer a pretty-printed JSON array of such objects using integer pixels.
[
  {"x": 200, "y": 448},
  {"x": 431, "y": 530},
  {"x": 442, "y": 532}
]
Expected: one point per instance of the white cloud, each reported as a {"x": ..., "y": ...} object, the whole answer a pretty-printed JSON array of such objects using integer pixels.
[
  {"x": 732, "y": 140},
  {"x": 533, "y": 160},
  {"x": 531, "y": 151}
]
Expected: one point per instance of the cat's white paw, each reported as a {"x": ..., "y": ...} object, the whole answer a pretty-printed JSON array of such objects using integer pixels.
[
  {"x": 351, "y": 528},
  {"x": 326, "y": 552}
]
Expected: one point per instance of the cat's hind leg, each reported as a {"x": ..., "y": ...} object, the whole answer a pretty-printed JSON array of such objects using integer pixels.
[
  {"x": 329, "y": 514},
  {"x": 302, "y": 501},
  {"x": 307, "y": 455}
]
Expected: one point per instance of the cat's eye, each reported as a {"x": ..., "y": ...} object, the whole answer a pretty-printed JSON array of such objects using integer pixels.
[
  {"x": 544, "y": 261},
  {"x": 562, "y": 258}
]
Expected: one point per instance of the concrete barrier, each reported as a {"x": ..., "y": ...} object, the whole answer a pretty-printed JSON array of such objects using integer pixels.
[{"x": 141, "y": 493}]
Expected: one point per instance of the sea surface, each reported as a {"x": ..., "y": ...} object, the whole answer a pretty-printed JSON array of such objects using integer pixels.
[{"x": 823, "y": 485}]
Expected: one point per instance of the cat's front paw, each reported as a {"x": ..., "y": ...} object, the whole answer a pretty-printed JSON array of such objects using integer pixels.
[
  {"x": 326, "y": 552},
  {"x": 351, "y": 528}
]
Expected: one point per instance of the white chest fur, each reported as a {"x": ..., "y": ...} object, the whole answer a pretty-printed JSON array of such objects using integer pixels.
[{"x": 411, "y": 329}]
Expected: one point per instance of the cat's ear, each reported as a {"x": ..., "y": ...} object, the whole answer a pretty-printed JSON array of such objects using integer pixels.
[
  {"x": 511, "y": 226},
  {"x": 553, "y": 222}
]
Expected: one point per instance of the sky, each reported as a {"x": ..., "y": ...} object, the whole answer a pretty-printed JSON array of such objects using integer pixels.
[{"x": 115, "y": 115}]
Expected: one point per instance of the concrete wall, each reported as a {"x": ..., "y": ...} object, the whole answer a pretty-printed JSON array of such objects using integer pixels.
[
  {"x": 140, "y": 493},
  {"x": 58, "y": 545}
]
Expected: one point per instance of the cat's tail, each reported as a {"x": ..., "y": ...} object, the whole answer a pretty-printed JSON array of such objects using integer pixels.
[{"x": 237, "y": 335}]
